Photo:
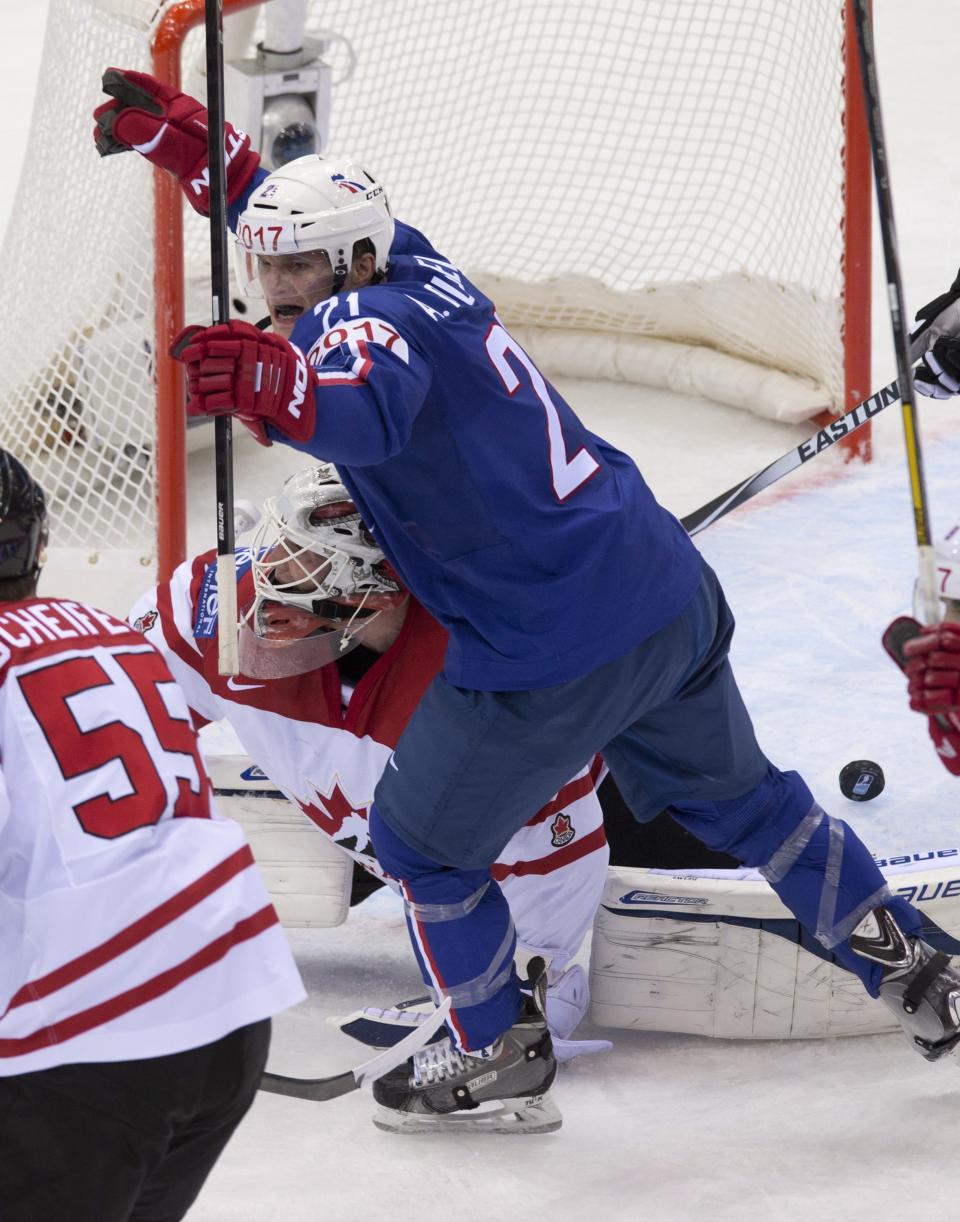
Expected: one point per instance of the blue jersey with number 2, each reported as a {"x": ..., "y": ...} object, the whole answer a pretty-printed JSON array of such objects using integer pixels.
[{"x": 536, "y": 543}]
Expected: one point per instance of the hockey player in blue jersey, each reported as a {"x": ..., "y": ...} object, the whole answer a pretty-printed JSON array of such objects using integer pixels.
[{"x": 581, "y": 618}]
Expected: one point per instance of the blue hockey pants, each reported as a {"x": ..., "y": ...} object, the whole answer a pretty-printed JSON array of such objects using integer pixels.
[{"x": 472, "y": 767}]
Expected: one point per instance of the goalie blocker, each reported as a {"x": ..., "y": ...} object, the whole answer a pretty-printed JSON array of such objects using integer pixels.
[{"x": 715, "y": 953}]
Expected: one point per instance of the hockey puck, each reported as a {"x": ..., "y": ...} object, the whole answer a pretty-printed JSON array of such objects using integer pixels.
[{"x": 861, "y": 780}]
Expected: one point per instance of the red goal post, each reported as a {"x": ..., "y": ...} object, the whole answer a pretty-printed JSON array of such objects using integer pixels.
[
  {"x": 856, "y": 254},
  {"x": 171, "y": 453}
]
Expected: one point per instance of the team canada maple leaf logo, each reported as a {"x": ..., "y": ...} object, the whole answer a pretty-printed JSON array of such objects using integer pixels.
[
  {"x": 143, "y": 623},
  {"x": 337, "y": 814},
  {"x": 562, "y": 830}
]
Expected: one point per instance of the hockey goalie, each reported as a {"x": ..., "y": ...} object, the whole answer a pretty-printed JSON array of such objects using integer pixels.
[{"x": 334, "y": 655}]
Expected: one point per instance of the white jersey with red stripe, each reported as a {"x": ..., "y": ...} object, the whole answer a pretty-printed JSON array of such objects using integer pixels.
[
  {"x": 133, "y": 920},
  {"x": 325, "y": 747}
]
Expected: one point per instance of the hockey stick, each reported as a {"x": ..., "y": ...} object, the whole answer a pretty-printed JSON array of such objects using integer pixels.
[
  {"x": 228, "y": 659},
  {"x": 822, "y": 440},
  {"x": 321, "y": 1089},
  {"x": 927, "y": 595}
]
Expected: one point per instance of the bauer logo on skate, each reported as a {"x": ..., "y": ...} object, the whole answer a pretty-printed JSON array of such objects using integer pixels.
[{"x": 484, "y": 1080}]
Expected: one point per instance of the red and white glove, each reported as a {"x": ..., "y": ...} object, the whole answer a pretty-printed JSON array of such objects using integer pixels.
[
  {"x": 233, "y": 369},
  {"x": 930, "y": 658},
  {"x": 945, "y": 732},
  {"x": 169, "y": 128},
  {"x": 933, "y": 669}
]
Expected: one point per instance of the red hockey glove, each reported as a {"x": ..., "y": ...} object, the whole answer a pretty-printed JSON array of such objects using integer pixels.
[
  {"x": 933, "y": 669},
  {"x": 945, "y": 732},
  {"x": 905, "y": 637},
  {"x": 236, "y": 370},
  {"x": 169, "y": 128}
]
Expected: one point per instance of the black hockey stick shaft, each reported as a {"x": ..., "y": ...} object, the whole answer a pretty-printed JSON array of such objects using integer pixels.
[
  {"x": 822, "y": 440},
  {"x": 927, "y": 585},
  {"x": 321, "y": 1089},
  {"x": 220, "y": 310}
]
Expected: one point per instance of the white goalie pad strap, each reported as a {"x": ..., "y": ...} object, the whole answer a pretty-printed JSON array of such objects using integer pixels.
[
  {"x": 718, "y": 954},
  {"x": 309, "y": 878}
]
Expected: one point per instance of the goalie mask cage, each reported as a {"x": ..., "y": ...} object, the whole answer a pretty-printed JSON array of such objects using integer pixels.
[{"x": 674, "y": 192}]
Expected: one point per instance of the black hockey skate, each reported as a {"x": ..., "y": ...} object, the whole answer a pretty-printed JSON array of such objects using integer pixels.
[
  {"x": 501, "y": 1090},
  {"x": 919, "y": 984}
]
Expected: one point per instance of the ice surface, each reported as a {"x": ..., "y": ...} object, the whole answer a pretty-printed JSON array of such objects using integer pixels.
[{"x": 670, "y": 1128}]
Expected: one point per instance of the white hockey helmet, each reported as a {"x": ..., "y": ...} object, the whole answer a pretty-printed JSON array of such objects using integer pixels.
[
  {"x": 312, "y": 525},
  {"x": 948, "y": 563},
  {"x": 314, "y": 558},
  {"x": 313, "y": 203}
]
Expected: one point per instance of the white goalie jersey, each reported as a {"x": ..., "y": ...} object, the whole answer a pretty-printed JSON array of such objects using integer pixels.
[
  {"x": 324, "y": 746},
  {"x": 133, "y": 920}
]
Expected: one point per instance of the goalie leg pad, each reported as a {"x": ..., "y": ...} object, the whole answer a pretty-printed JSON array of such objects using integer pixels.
[
  {"x": 309, "y": 878},
  {"x": 826, "y": 876},
  {"x": 818, "y": 865},
  {"x": 720, "y": 955}
]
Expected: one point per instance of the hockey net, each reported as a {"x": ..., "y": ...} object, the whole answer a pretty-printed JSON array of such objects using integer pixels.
[{"x": 655, "y": 192}]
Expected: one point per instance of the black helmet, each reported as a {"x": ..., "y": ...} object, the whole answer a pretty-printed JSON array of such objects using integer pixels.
[{"x": 23, "y": 520}]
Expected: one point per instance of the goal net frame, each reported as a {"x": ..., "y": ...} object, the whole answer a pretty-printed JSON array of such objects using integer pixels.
[{"x": 175, "y": 23}]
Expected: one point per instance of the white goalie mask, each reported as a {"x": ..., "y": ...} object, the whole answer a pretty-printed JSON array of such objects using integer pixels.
[
  {"x": 312, "y": 204},
  {"x": 319, "y": 579}
]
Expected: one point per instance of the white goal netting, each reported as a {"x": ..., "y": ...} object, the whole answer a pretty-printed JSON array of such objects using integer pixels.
[{"x": 649, "y": 189}]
